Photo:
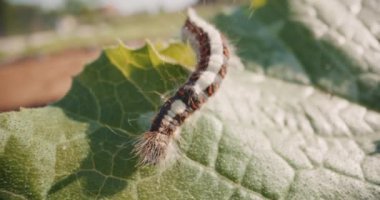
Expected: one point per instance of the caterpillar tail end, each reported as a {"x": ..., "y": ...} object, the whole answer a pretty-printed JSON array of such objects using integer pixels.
[{"x": 152, "y": 148}]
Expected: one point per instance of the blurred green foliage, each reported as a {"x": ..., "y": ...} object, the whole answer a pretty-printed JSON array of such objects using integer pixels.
[{"x": 19, "y": 19}]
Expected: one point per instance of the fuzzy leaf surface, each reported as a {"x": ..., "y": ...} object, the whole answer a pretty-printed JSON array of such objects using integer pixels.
[{"x": 260, "y": 137}]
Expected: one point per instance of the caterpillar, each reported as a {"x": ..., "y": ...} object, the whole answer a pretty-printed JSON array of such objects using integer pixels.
[{"x": 212, "y": 57}]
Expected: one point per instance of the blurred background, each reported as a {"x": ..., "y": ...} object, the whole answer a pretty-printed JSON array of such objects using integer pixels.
[{"x": 43, "y": 43}]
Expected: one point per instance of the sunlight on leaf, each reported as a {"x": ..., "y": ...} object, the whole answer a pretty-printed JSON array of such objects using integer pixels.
[{"x": 255, "y": 4}]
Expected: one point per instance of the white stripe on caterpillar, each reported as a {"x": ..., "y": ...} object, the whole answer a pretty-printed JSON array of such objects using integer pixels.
[
  {"x": 205, "y": 80},
  {"x": 178, "y": 107}
]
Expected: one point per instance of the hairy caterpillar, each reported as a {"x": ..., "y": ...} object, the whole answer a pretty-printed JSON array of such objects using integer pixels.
[{"x": 212, "y": 57}]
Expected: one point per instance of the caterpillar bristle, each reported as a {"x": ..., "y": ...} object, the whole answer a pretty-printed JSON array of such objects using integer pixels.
[{"x": 151, "y": 148}]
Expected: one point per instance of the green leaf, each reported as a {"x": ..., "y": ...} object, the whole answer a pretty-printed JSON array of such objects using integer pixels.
[
  {"x": 259, "y": 137},
  {"x": 332, "y": 44}
]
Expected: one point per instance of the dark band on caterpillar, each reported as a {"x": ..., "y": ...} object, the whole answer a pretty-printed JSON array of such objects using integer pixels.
[{"x": 212, "y": 55}]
